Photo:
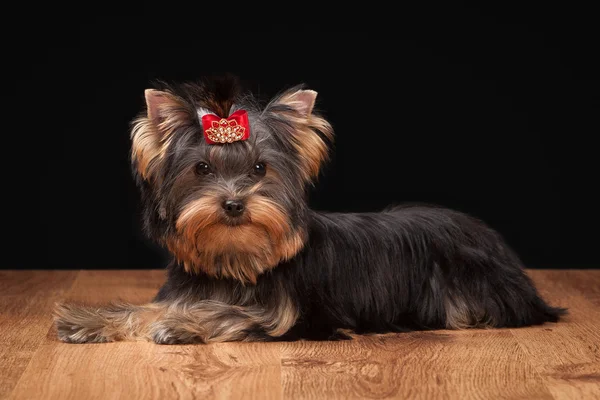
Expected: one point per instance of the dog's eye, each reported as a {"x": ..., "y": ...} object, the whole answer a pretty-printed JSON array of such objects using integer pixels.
[
  {"x": 260, "y": 169},
  {"x": 203, "y": 168}
]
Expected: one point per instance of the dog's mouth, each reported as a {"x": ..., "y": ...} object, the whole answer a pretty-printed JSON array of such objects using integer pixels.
[{"x": 235, "y": 221}]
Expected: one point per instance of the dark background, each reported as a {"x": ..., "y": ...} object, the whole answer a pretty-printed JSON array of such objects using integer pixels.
[{"x": 490, "y": 112}]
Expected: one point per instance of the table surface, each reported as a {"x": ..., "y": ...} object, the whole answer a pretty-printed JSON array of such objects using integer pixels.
[{"x": 554, "y": 361}]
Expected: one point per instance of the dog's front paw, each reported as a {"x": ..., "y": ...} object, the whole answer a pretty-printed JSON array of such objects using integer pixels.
[
  {"x": 164, "y": 332},
  {"x": 76, "y": 324},
  {"x": 72, "y": 333}
]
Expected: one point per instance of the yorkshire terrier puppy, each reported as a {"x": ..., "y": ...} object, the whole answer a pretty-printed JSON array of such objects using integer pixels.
[{"x": 224, "y": 183}]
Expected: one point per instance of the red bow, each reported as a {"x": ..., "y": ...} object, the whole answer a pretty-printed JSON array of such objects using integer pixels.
[{"x": 226, "y": 130}]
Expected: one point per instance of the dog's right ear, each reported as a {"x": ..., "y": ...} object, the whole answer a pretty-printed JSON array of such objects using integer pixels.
[
  {"x": 164, "y": 113},
  {"x": 154, "y": 100}
]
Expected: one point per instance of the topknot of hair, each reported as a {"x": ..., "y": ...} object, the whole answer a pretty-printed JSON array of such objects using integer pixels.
[{"x": 215, "y": 93}]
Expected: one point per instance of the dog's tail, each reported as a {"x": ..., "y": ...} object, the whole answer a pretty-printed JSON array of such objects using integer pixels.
[
  {"x": 522, "y": 302},
  {"x": 78, "y": 323},
  {"x": 543, "y": 312}
]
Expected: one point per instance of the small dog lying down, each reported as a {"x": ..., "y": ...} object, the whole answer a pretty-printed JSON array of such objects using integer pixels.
[{"x": 224, "y": 186}]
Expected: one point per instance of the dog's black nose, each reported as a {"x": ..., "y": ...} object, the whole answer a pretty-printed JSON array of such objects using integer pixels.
[{"x": 233, "y": 208}]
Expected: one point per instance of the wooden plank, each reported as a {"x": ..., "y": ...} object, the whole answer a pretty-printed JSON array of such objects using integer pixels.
[
  {"x": 145, "y": 370},
  {"x": 585, "y": 282},
  {"x": 552, "y": 361},
  {"x": 477, "y": 364},
  {"x": 149, "y": 371},
  {"x": 101, "y": 286},
  {"x": 234, "y": 370},
  {"x": 26, "y": 300},
  {"x": 567, "y": 354}
]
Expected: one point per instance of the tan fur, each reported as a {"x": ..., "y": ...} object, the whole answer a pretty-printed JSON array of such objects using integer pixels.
[
  {"x": 182, "y": 321},
  {"x": 77, "y": 323},
  {"x": 146, "y": 149},
  {"x": 212, "y": 321},
  {"x": 311, "y": 148},
  {"x": 288, "y": 248},
  {"x": 152, "y": 133},
  {"x": 240, "y": 252}
]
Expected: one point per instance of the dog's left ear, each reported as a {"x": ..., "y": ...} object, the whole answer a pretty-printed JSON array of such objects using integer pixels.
[
  {"x": 303, "y": 101},
  {"x": 293, "y": 116}
]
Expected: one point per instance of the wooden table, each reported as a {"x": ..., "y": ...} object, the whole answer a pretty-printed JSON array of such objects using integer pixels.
[{"x": 554, "y": 361}]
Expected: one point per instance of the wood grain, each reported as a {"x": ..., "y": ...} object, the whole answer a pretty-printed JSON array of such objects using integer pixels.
[
  {"x": 26, "y": 300},
  {"x": 416, "y": 365},
  {"x": 555, "y": 361},
  {"x": 567, "y": 355}
]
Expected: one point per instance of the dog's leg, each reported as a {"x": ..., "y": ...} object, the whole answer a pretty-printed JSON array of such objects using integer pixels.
[
  {"x": 174, "y": 322},
  {"x": 77, "y": 323},
  {"x": 211, "y": 321}
]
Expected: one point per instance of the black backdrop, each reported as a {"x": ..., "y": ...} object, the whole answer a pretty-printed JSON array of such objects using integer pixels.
[{"x": 489, "y": 113}]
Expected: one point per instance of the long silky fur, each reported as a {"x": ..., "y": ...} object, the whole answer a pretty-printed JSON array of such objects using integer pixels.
[{"x": 293, "y": 273}]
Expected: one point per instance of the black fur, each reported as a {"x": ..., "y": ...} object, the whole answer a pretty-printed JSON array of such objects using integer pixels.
[
  {"x": 390, "y": 272},
  {"x": 410, "y": 267}
]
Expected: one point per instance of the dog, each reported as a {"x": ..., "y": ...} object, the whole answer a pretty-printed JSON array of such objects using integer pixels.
[{"x": 224, "y": 180}]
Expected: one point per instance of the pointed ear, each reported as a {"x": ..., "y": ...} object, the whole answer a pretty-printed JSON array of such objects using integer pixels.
[
  {"x": 292, "y": 116},
  {"x": 302, "y": 101},
  {"x": 164, "y": 114},
  {"x": 158, "y": 104},
  {"x": 154, "y": 99}
]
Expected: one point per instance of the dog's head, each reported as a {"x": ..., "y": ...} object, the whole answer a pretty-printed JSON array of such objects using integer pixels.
[{"x": 223, "y": 179}]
